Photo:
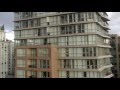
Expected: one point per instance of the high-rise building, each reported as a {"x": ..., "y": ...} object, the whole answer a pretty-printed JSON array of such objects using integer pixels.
[
  {"x": 3, "y": 59},
  {"x": 115, "y": 51},
  {"x": 2, "y": 33},
  {"x": 6, "y": 48},
  {"x": 62, "y": 45},
  {"x": 3, "y": 53}
]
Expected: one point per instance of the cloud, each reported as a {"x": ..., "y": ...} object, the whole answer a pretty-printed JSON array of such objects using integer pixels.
[
  {"x": 7, "y": 18},
  {"x": 115, "y": 23},
  {"x": 10, "y": 35}
]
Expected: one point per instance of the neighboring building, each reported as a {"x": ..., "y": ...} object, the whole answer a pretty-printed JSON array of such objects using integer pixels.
[
  {"x": 115, "y": 51},
  {"x": 2, "y": 33},
  {"x": 3, "y": 59},
  {"x": 62, "y": 45},
  {"x": 5, "y": 53}
]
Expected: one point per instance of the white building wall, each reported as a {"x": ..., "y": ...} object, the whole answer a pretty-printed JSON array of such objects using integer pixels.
[{"x": 4, "y": 59}]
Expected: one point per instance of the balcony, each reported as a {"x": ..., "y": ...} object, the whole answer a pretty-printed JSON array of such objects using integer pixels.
[
  {"x": 104, "y": 67},
  {"x": 103, "y": 16},
  {"x": 104, "y": 26},
  {"x": 109, "y": 75}
]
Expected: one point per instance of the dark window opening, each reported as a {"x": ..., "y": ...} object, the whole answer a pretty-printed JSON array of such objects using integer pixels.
[
  {"x": 68, "y": 74},
  {"x": 84, "y": 74},
  {"x": 45, "y": 41}
]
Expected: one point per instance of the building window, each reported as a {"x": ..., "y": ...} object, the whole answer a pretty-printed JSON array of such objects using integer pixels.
[
  {"x": 88, "y": 65},
  {"x": 63, "y": 18},
  {"x": 32, "y": 52},
  {"x": 70, "y": 17},
  {"x": 89, "y": 51},
  {"x": 44, "y": 64},
  {"x": 42, "y": 31},
  {"x": 21, "y": 52},
  {"x": 20, "y": 63},
  {"x": 44, "y": 74},
  {"x": 68, "y": 74},
  {"x": 94, "y": 50},
  {"x": 45, "y": 41},
  {"x": 39, "y": 32},
  {"x": 66, "y": 64},
  {"x": 91, "y": 64},
  {"x": 67, "y": 52},
  {"x": 81, "y": 28},
  {"x": 32, "y": 63},
  {"x": 63, "y": 30},
  {"x": 43, "y": 52},
  {"x": 68, "y": 29},
  {"x": 119, "y": 49},
  {"x": 20, "y": 74},
  {"x": 84, "y": 74},
  {"x": 90, "y": 15},
  {"x": 81, "y": 16}
]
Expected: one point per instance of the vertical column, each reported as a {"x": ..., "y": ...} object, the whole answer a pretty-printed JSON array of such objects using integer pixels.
[
  {"x": 26, "y": 59},
  {"x": 37, "y": 62},
  {"x": 67, "y": 18},
  {"x": 54, "y": 62},
  {"x": 15, "y": 63}
]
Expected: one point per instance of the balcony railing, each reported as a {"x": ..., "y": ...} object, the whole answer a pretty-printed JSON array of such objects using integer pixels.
[
  {"x": 82, "y": 66},
  {"x": 79, "y": 67}
]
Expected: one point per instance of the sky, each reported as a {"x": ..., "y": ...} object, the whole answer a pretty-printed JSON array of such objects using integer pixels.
[{"x": 7, "y": 19}]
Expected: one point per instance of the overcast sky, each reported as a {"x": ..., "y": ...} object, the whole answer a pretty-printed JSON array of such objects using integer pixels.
[{"x": 7, "y": 18}]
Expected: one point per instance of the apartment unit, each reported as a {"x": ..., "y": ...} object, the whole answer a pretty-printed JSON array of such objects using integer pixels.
[
  {"x": 115, "y": 51},
  {"x": 62, "y": 45}
]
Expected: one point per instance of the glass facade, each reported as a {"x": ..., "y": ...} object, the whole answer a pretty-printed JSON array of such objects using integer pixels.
[{"x": 82, "y": 40}]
